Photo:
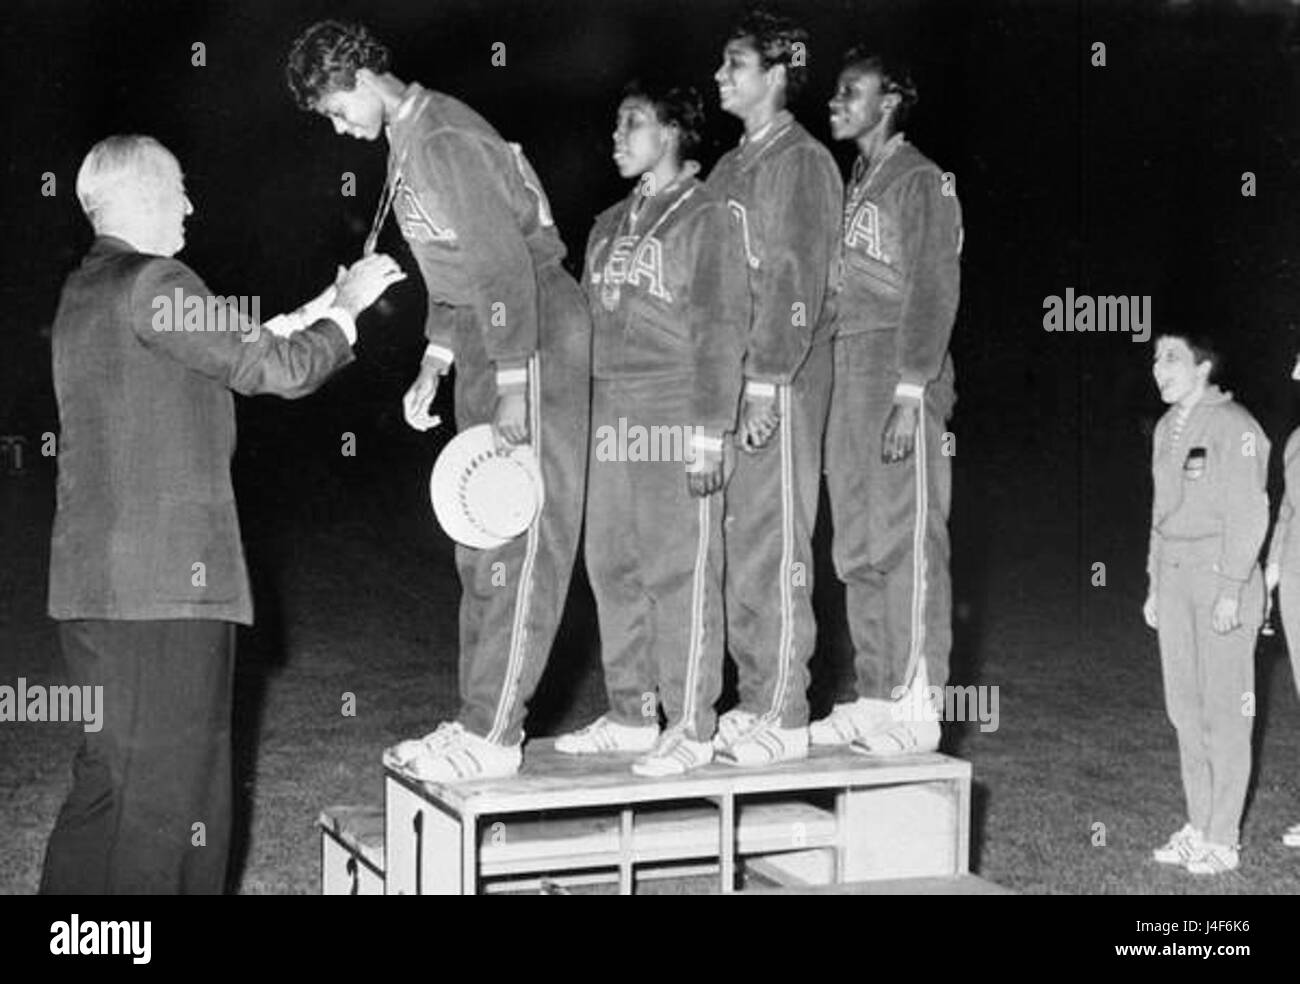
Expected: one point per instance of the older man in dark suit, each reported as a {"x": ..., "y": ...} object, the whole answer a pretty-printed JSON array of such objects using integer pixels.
[{"x": 147, "y": 575}]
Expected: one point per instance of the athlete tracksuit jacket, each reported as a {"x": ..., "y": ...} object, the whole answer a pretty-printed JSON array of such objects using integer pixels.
[
  {"x": 784, "y": 188},
  {"x": 898, "y": 295},
  {"x": 1209, "y": 516},
  {"x": 665, "y": 281},
  {"x": 502, "y": 307}
]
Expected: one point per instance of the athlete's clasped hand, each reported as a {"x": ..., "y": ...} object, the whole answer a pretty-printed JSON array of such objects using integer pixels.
[
  {"x": 416, "y": 402},
  {"x": 1226, "y": 615},
  {"x": 709, "y": 470},
  {"x": 759, "y": 419},
  {"x": 899, "y": 436},
  {"x": 510, "y": 424}
]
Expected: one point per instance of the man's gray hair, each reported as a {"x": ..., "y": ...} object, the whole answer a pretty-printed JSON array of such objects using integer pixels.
[{"x": 114, "y": 165}]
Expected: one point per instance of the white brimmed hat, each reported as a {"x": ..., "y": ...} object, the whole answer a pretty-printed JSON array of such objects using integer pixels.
[{"x": 483, "y": 497}]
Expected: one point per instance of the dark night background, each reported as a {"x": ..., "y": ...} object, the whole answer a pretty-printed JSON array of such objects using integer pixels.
[{"x": 1125, "y": 179}]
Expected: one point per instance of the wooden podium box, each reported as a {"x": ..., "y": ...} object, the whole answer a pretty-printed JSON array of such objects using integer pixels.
[{"x": 835, "y": 817}]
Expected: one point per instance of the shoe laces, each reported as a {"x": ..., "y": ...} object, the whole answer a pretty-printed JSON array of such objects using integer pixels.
[
  {"x": 670, "y": 739},
  {"x": 447, "y": 733},
  {"x": 735, "y": 724},
  {"x": 1216, "y": 856},
  {"x": 601, "y": 723}
]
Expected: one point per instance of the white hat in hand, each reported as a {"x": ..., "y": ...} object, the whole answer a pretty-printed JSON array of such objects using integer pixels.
[{"x": 485, "y": 497}]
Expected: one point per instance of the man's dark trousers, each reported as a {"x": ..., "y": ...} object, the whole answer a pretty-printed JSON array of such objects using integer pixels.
[{"x": 160, "y": 765}]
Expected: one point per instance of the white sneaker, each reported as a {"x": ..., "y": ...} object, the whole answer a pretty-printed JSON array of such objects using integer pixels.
[
  {"x": 604, "y": 736},
  {"x": 765, "y": 744},
  {"x": 452, "y": 754},
  {"x": 850, "y": 721},
  {"x": 674, "y": 754},
  {"x": 732, "y": 726},
  {"x": 1215, "y": 859},
  {"x": 901, "y": 738},
  {"x": 1181, "y": 847},
  {"x": 1291, "y": 837}
]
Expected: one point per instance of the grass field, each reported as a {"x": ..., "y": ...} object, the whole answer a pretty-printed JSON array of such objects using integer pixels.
[{"x": 356, "y": 594}]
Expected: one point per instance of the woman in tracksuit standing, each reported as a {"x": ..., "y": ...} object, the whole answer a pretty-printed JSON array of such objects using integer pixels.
[
  {"x": 666, "y": 283},
  {"x": 1283, "y": 568},
  {"x": 1206, "y": 593}
]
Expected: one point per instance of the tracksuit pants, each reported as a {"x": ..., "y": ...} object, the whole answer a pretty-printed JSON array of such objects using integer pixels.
[
  {"x": 654, "y": 557},
  {"x": 1207, "y": 676},
  {"x": 512, "y": 597},
  {"x": 1288, "y": 596},
  {"x": 771, "y": 513},
  {"x": 890, "y": 541},
  {"x": 159, "y": 766}
]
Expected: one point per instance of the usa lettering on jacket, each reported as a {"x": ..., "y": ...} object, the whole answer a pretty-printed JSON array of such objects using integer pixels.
[
  {"x": 872, "y": 236},
  {"x": 415, "y": 220},
  {"x": 862, "y": 230},
  {"x": 642, "y": 268}
]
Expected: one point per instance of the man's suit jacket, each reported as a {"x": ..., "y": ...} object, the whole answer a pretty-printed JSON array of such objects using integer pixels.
[{"x": 147, "y": 433}]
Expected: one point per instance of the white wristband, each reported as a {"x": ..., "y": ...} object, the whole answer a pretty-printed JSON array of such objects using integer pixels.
[
  {"x": 512, "y": 377},
  {"x": 344, "y": 321},
  {"x": 440, "y": 353},
  {"x": 703, "y": 442},
  {"x": 755, "y": 388}
]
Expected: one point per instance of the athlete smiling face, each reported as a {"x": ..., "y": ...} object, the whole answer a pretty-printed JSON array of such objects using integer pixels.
[
  {"x": 860, "y": 104},
  {"x": 1180, "y": 375}
]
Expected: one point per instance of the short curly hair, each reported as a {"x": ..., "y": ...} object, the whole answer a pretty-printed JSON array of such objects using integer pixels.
[
  {"x": 777, "y": 39},
  {"x": 894, "y": 74},
  {"x": 325, "y": 59},
  {"x": 679, "y": 106}
]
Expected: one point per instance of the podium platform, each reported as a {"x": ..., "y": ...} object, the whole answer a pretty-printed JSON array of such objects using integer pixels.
[{"x": 833, "y": 818}]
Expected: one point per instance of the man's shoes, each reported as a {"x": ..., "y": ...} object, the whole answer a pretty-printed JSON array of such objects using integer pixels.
[
  {"x": 850, "y": 721},
  {"x": 604, "y": 736},
  {"x": 901, "y": 738},
  {"x": 1291, "y": 837},
  {"x": 766, "y": 744},
  {"x": 674, "y": 754},
  {"x": 733, "y": 726},
  {"x": 452, "y": 754},
  {"x": 1181, "y": 847},
  {"x": 1215, "y": 859}
]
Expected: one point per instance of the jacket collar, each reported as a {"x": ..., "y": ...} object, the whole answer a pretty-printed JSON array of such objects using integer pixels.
[
  {"x": 409, "y": 109},
  {"x": 105, "y": 246},
  {"x": 770, "y": 132}
]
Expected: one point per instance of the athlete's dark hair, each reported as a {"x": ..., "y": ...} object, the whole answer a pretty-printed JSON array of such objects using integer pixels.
[
  {"x": 679, "y": 106},
  {"x": 778, "y": 41},
  {"x": 894, "y": 75},
  {"x": 325, "y": 59},
  {"x": 1204, "y": 349}
]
